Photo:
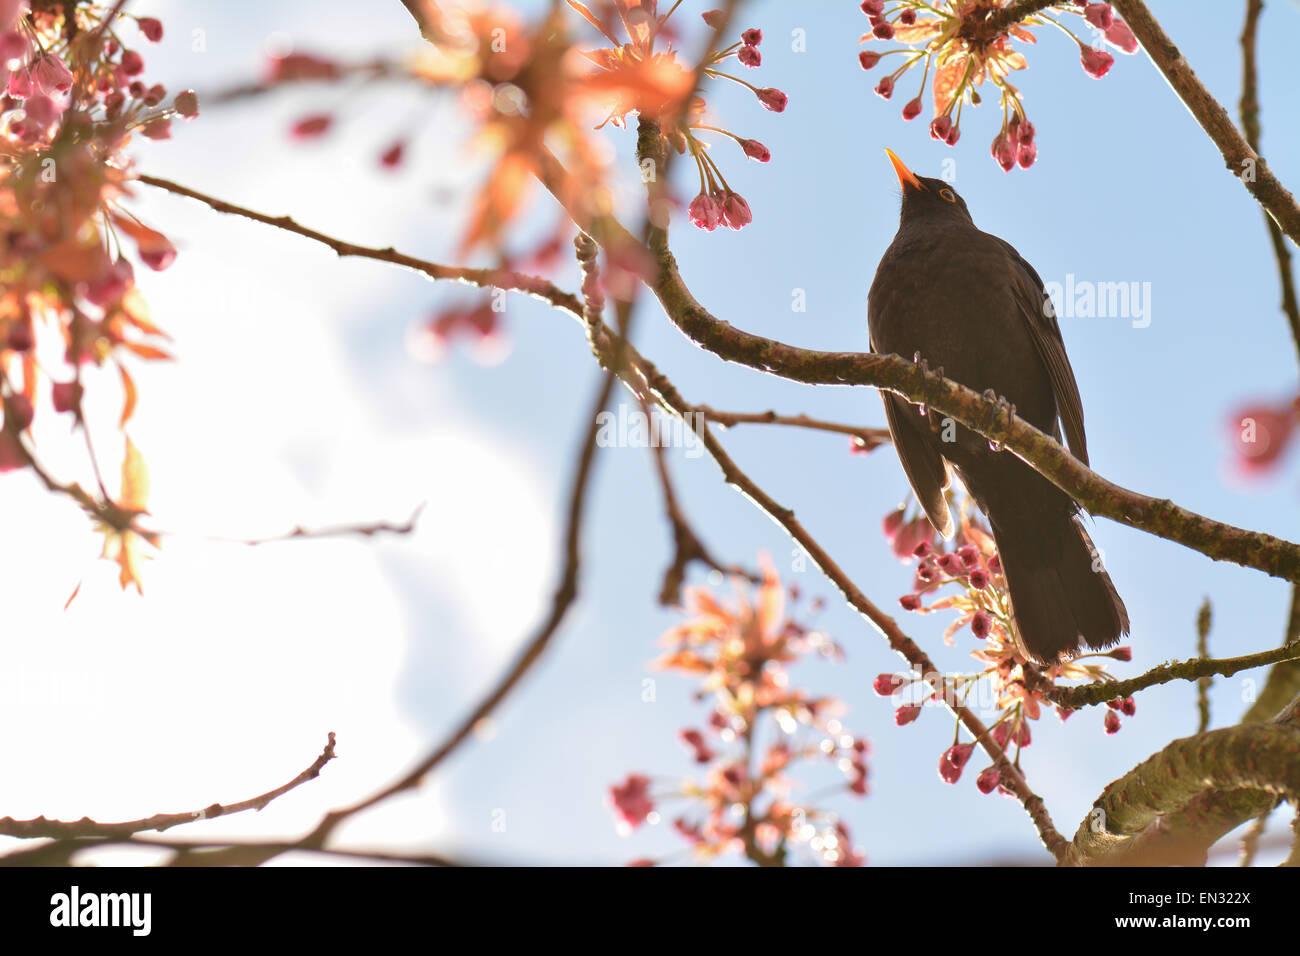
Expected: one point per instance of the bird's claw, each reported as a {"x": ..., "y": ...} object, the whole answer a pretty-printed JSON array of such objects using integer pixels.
[{"x": 993, "y": 398}]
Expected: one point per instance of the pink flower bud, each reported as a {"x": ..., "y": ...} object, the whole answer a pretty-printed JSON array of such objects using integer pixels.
[
  {"x": 913, "y": 109},
  {"x": 132, "y": 63},
  {"x": 995, "y": 565},
  {"x": 66, "y": 396},
  {"x": 1024, "y": 738},
  {"x": 892, "y": 522},
  {"x": 752, "y": 37},
  {"x": 1027, "y": 154},
  {"x": 907, "y": 17},
  {"x": 910, "y": 602},
  {"x": 1100, "y": 15},
  {"x": 713, "y": 18},
  {"x": 735, "y": 211},
  {"x": 969, "y": 554},
  {"x": 1121, "y": 37},
  {"x": 20, "y": 84},
  {"x": 756, "y": 150},
  {"x": 954, "y": 761},
  {"x": 979, "y": 579},
  {"x": 980, "y": 624},
  {"x": 988, "y": 779},
  {"x": 1004, "y": 151},
  {"x": 953, "y": 135},
  {"x": 156, "y": 251},
  {"x": 868, "y": 59},
  {"x": 391, "y": 158},
  {"x": 187, "y": 104},
  {"x": 885, "y": 88},
  {"x": 883, "y": 29},
  {"x": 158, "y": 129},
  {"x": 1063, "y": 713},
  {"x": 1095, "y": 62},
  {"x": 749, "y": 56},
  {"x": 18, "y": 412},
  {"x": 1122, "y": 653},
  {"x": 52, "y": 75},
  {"x": 705, "y": 212},
  {"x": 906, "y": 714},
  {"x": 1128, "y": 707},
  {"x": 940, "y": 126},
  {"x": 1111, "y": 723},
  {"x": 152, "y": 28},
  {"x": 773, "y": 99},
  {"x": 310, "y": 127},
  {"x": 873, "y": 8},
  {"x": 885, "y": 684},
  {"x": 1001, "y": 734}
]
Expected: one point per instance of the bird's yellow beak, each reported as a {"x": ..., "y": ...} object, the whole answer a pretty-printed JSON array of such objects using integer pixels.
[{"x": 906, "y": 177}]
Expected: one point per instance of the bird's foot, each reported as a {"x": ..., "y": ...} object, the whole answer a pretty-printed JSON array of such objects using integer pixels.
[{"x": 1003, "y": 405}]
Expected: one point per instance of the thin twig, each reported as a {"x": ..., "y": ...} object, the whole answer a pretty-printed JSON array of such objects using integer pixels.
[
  {"x": 1192, "y": 669},
  {"x": 1238, "y": 154},
  {"x": 1249, "y": 109},
  {"x": 86, "y": 827},
  {"x": 366, "y": 530},
  {"x": 535, "y": 286},
  {"x": 1204, "y": 682},
  {"x": 868, "y": 439}
]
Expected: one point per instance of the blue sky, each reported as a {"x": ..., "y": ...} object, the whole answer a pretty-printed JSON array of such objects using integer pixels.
[{"x": 295, "y": 399}]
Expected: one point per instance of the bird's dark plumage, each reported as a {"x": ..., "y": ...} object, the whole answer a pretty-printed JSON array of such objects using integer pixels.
[{"x": 966, "y": 302}]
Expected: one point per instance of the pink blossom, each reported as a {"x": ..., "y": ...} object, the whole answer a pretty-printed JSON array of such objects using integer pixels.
[
  {"x": 756, "y": 150},
  {"x": 152, "y": 28},
  {"x": 954, "y": 761},
  {"x": 1100, "y": 15},
  {"x": 773, "y": 99},
  {"x": 705, "y": 212},
  {"x": 1095, "y": 62},
  {"x": 1121, "y": 37},
  {"x": 735, "y": 211},
  {"x": 631, "y": 800}
]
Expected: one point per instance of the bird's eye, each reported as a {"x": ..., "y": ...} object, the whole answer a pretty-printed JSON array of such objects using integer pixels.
[{"x": 948, "y": 195}]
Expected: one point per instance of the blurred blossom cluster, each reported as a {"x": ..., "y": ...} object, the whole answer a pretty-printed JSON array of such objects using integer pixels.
[
  {"x": 967, "y": 578},
  {"x": 759, "y": 730},
  {"x": 1261, "y": 433},
  {"x": 962, "y": 43},
  {"x": 74, "y": 98},
  {"x": 536, "y": 92}
]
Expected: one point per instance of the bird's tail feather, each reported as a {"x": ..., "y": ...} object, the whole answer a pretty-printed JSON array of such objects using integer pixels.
[{"x": 1061, "y": 596}]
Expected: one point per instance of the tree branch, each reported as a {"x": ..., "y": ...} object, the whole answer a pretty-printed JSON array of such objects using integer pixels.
[
  {"x": 86, "y": 827},
  {"x": 1238, "y": 154},
  {"x": 535, "y": 286},
  {"x": 1099, "y": 496},
  {"x": 1192, "y": 669},
  {"x": 1249, "y": 109},
  {"x": 1192, "y": 791}
]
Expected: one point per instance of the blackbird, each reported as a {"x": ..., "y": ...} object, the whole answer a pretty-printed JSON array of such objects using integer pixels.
[{"x": 965, "y": 302}]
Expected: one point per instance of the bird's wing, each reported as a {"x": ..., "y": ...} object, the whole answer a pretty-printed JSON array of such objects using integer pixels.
[
  {"x": 926, "y": 470},
  {"x": 1046, "y": 334}
]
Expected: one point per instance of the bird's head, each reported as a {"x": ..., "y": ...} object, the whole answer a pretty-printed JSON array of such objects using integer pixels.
[{"x": 928, "y": 199}]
